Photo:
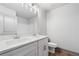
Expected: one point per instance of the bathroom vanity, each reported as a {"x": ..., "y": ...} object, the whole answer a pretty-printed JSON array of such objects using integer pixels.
[
  {"x": 32, "y": 46},
  {"x": 10, "y": 24}
]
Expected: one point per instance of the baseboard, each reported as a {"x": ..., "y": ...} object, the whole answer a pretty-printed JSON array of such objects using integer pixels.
[{"x": 71, "y": 52}]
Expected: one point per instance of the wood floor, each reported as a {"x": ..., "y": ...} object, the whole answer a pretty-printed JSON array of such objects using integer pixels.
[{"x": 63, "y": 52}]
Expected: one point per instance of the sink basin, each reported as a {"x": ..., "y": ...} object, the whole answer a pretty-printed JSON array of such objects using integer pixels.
[
  {"x": 17, "y": 41},
  {"x": 13, "y": 42},
  {"x": 6, "y": 44}
]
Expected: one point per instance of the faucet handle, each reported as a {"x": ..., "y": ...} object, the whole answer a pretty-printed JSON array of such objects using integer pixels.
[{"x": 15, "y": 33}]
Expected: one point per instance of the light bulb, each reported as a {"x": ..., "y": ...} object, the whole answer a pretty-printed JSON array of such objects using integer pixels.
[{"x": 33, "y": 8}]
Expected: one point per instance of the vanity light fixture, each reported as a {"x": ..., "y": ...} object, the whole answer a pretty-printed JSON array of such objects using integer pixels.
[{"x": 32, "y": 6}]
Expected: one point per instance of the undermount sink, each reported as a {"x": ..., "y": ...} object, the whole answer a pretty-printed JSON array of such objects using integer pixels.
[{"x": 16, "y": 41}]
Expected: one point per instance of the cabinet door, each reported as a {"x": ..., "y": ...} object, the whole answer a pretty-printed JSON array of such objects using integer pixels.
[
  {"x": 27, "y": 50},
  {"x": 32, "y": 52},
  {"x": 10, "y": 25},
  {"x": 1, "y": 24},
  {"x": 43, "y": 47}
]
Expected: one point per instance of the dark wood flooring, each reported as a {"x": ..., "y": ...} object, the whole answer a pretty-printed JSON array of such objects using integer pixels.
[{"x": 62, "y": 52}]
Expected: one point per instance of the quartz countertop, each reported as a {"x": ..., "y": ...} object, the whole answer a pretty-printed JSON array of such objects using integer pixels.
[{"x": 12, "y": 43}]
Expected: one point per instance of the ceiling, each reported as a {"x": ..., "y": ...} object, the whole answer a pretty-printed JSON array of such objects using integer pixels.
[
  {"x": 25, "y": 13},
  {"x": 20, "y": 11},
  {"x": 49, "y": 6}
]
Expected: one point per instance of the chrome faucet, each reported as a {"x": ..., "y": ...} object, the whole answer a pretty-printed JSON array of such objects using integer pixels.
[{"x": 16, "y": 36}]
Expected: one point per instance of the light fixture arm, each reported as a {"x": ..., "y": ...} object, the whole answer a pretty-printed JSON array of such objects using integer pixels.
[{"x": 32, "y": 6}]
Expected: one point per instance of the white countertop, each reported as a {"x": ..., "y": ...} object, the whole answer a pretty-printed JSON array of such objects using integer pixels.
[{"x": 8, "y": 44}]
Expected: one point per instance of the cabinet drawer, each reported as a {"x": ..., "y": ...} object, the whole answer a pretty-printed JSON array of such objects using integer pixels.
[{"x": 22, "y": 51}]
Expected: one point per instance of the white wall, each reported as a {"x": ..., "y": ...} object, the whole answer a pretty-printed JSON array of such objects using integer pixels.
[
  {"x": 7, "y": 11},
  {"x": 40, "y": 23},
  {"x": 25, "y": 26},
  {"x": 63, "y": 26}
]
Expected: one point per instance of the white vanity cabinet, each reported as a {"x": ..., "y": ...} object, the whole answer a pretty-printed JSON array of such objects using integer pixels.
[
  {"x": 43, "y": 47},
  {"x": 26, "y": 50},
  {"x": 36, "y": 48}
]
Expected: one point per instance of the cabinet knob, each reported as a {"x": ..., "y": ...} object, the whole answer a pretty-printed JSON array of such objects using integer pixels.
[{"x": 44, "y": 47}]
